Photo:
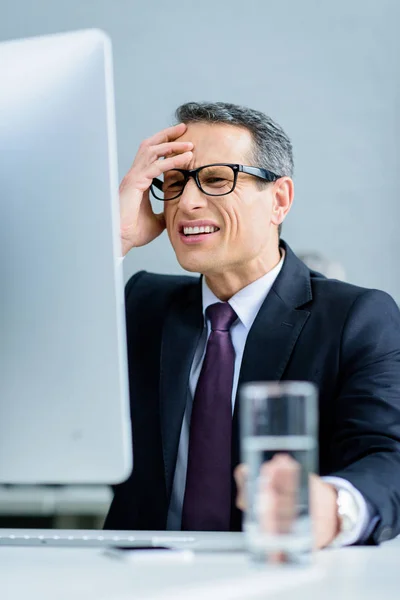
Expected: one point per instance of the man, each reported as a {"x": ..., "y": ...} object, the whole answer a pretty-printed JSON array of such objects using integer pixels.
[{"x": 257, "y": 313}]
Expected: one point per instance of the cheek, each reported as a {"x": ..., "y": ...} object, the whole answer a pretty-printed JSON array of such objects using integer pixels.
[
  {"x": 169, "y": 214},
  {"x": 233, "y": 221},
  {"x": 248, "y": 220},
  {"x": 242, "y": 221},
  {"x": 232, "y": 217}
]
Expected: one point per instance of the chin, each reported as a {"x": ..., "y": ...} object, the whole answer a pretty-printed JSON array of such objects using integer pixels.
[
  {"x": 195, "y": 264},
  {"x": 192, "y": 266}
]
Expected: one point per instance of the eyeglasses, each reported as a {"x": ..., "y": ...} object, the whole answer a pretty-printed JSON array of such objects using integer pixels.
[{"x": 218, "y": 179}]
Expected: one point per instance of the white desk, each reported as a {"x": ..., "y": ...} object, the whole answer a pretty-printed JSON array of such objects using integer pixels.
[{"x": 367, "y": 573}]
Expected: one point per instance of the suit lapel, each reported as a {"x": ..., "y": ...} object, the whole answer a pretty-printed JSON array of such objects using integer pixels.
[
  {"x": 271, "y": 340},
  {"x": 182, "y": 329},
  {"x": 273, "y": 336},
  {"x": 278, "y": 324}
]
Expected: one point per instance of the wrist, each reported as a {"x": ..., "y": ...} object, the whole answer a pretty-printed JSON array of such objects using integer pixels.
[
  {"x": 126, "y": 246},
  {"x": 326, "y": 523},
  {"x": 335, "y": 523},
  {"x": 347, "y": 511}
]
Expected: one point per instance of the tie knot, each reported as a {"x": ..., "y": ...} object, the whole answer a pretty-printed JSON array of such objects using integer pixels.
[{"x": 221, "y": 315}]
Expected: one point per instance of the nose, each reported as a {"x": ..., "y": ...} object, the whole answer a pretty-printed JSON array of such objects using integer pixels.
[{"x": 192, "y": 198}]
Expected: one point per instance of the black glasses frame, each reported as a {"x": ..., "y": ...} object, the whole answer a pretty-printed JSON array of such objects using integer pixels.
[{"x": 259, "y": 172}]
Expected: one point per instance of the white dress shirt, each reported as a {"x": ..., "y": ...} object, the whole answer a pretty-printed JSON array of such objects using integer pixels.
[{"x": 246, "y": 303}]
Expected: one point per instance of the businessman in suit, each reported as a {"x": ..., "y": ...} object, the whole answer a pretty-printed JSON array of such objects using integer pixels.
[{"x": 223, "y": 176}]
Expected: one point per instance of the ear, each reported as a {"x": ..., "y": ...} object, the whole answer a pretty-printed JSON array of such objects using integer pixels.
[{"x": 283, "y": 194}]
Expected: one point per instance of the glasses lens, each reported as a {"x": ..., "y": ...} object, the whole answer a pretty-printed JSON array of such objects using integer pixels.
[
  {"x": 172, "y": 184},
  {"x": 217, "y": 180}
]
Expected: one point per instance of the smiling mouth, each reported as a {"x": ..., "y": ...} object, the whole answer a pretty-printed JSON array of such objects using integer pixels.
[{"x": 206, "y": 230}]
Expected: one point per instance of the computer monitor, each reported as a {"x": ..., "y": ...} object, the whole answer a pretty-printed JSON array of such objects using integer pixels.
[{"x": 64, "y": 408}]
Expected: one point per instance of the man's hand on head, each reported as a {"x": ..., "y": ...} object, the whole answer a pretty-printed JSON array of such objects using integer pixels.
[{"x": 161, "y": 152}]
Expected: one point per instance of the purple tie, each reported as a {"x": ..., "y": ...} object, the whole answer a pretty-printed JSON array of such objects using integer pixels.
[{"x": 207, "y": 501}]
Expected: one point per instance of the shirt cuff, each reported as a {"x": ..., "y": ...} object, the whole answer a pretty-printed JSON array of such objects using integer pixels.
[{"x": 364, "y": 516}]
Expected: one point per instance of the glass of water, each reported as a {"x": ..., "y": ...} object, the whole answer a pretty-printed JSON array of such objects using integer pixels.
[{"x": 279, "y": 422}]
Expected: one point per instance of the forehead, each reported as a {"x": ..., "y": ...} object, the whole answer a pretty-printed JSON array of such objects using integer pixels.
[{"x": 216, "y": 142}]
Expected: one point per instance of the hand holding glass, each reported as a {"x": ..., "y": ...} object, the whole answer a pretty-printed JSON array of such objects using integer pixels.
[{"x": 279, "y": 452}]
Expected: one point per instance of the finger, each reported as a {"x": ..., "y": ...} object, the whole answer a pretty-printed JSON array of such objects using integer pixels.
[
  {"x": 240, "y": 475},
  {"x": 277, "y": 497},
  {"x": 166, "y": 135},
  {"x": 278, "y": 558},
  {"x": 175, "y": 162},
  {"x": 282, "y": 474},
  {"x": 170, "y": 148},
  {"x": 275, "y": 516},
  {"x": 273, "y": 505},
  {"x": 270, "y": 503},
  {"x": 241, "y": 503}
]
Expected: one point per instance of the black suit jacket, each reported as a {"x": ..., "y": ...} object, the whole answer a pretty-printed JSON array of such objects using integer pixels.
[{"x": 344, "y": 338}]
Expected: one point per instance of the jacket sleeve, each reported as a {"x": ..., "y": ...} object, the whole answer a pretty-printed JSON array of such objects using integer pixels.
[{"x": 366, "y": 443}]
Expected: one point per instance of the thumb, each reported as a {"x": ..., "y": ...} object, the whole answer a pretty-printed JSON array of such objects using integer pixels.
[{"x": 240, "y": 474}]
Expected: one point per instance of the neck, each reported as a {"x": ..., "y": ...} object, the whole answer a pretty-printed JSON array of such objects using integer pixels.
[{"x": 227, "y": 283}]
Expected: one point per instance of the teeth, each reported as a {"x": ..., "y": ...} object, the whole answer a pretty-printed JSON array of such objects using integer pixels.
[{"x": 197, "y": 230}]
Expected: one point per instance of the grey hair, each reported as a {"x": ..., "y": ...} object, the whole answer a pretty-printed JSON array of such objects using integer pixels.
[{"x": 272, "y": 148}]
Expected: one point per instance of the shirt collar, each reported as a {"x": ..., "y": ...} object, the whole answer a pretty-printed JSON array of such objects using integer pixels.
[{"x": 247, "y": 301}]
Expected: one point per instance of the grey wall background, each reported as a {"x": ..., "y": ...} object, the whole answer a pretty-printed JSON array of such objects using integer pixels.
[{"x": 327, "y": 71}]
